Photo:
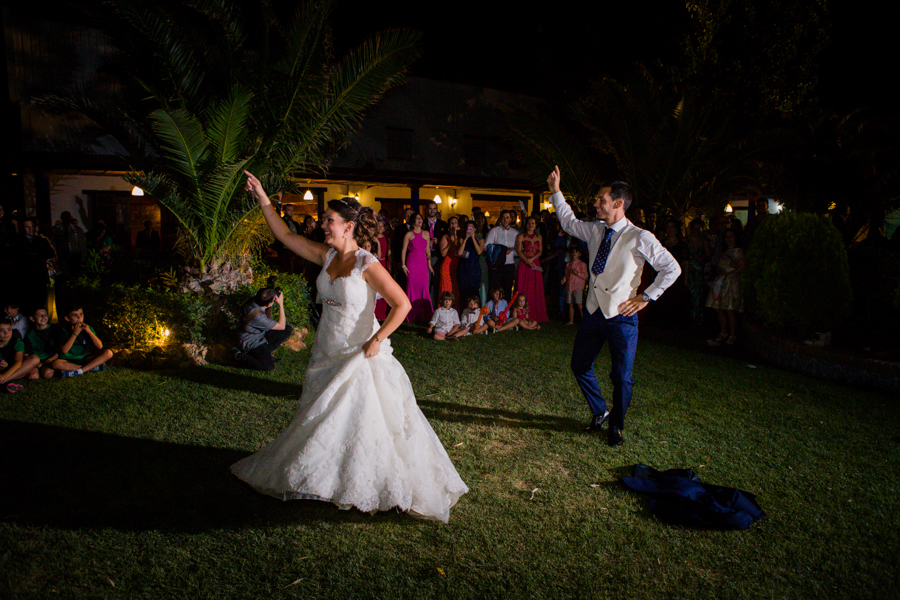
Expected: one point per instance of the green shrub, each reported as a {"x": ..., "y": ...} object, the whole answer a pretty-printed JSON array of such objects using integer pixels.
[
  {"x": 135, "y": 316},
  {"x": 798, "y": 270},
  {"x": 139, "y": 315}
]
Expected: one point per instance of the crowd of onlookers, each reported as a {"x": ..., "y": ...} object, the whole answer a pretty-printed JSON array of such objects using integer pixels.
[
  {"x": 30, "y": 346},
  {"x": 464, "y": 275},
  {"x": 507, "y": 272}
]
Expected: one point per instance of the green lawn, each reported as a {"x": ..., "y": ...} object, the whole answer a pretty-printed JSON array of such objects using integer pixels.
[{"x": 116, "y": 485}]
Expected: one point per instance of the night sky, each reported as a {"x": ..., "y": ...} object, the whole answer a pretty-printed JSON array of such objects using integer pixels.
[{"x": 503, "y": 45}]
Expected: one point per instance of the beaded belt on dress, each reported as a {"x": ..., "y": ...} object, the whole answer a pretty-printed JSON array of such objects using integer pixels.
[{"x": 331, "y": 302}]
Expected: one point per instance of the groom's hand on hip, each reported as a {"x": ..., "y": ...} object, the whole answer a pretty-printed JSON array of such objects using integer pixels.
[{"x": 632, "y": 306}]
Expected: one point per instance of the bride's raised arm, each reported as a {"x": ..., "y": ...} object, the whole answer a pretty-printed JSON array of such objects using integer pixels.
[{"x": 295, "y": 242}]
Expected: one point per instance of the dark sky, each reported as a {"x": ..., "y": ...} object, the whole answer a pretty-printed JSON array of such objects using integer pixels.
[
  {"x": 503, "y": 45},
  {"x": 507, "y": 46}
]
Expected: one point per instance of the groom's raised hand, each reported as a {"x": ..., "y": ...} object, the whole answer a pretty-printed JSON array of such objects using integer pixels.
[{"x": 553, "y": 180}]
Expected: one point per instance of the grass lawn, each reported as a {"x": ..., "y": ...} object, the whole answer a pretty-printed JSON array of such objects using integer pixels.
[{"x": 116, "y": 485}]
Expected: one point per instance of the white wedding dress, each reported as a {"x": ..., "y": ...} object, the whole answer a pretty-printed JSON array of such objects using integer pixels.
[{"x": 358, "y": 438}]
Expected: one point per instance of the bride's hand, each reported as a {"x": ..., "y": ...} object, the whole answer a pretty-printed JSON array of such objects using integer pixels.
[
  {"x": 255, "y": 187},
  {"x": 372, "y": 347}
]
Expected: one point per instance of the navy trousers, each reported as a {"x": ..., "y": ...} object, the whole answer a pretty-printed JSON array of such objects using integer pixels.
[
  {"x": 260, "y": 358},
  {"x": 621, "y": 333}
]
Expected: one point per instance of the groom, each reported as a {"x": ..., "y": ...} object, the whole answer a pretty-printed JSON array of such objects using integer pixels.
[{"x": 617, "y": 253}]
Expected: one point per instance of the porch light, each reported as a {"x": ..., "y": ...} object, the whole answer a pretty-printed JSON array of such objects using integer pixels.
[
  {"x": 728, "y": 208},
  {"x": 136, "y": 191},
  {"x": 308, "y": 195}
]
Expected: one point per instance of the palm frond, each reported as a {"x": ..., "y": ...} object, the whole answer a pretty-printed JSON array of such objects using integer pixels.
[
  {"x": 356, "y": 83},
  {"x": 226, "y": 127},
  {"x": 185, "y": 147}
]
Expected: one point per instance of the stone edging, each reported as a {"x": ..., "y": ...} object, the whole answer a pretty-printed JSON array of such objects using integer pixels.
[{"x": 823, "y": 362}]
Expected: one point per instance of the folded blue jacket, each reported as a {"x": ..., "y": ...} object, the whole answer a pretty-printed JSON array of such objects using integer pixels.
[{"x": 678, "y": 496}]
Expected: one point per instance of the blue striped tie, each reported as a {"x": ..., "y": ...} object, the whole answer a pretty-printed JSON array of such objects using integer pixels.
[{"x": 602, "y": 253}]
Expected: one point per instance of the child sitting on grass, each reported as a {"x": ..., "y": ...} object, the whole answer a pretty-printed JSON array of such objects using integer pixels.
[
  {"x": 80, "y": 350},
  {"x": 471, "y": 320},
  {"x": 19, "y": 322},
  {"x": 41, "y": 342},
  {"x": 495, "y": 305},
  {"x": 520, "y": 314},
  {"x": 444, "y": 321},
  {"x": 12, "y": 358}
]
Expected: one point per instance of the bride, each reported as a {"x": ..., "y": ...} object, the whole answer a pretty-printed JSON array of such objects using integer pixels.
[{"x": 358, "y": 438}]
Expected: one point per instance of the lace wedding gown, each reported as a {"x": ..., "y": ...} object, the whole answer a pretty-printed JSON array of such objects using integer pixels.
[{"x": 358, "y": 438}]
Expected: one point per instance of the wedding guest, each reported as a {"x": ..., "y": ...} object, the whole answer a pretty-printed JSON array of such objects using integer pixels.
[
  {"x": 80, "y": 350},
  {"x": 472, "y": 318},
  {"x": 416, "y": 257},
  {"x": 574, "y": 280},
  {"x": 13, "y": 364},
  {"x": 30, "y": 271},
  {"x": 18, "y": 321},
  {"x": 449, "y": 248},
  {"x": 445, "y": 320},
  {"x": 41, "y": 342},
  {"x": 501, "y": 247},
  {"x": 529, "y": 273},
  {"x": 726, "y": 295}
]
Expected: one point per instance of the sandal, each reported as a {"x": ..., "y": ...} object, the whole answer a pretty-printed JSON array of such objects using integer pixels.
[
  {"x": 12, "y": 388},
  {"x": 731, "y": 340}
]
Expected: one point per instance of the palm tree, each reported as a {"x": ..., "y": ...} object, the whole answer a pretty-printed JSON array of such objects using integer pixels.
[{"x": 205, "y": 89}]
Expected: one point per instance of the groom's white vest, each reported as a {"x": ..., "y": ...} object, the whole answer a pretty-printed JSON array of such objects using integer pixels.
[{"x": 620, "y": 279}]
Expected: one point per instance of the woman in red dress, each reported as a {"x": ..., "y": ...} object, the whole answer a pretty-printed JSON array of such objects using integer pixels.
[
  {"x": 530, "y": 275},
  {"x": 449, "y": 246}
]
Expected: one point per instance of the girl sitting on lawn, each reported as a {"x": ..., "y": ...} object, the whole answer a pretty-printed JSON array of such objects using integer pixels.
[{"x": 520, "y": 313}]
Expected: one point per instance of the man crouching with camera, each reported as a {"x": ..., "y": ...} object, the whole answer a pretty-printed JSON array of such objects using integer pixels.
[{"x": 259, "y": 334}]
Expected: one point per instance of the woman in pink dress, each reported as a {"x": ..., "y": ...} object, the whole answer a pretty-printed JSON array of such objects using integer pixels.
[
  {"x": 383, "y": 253},
  {"x": 530, "y": 275},
  {"x": 416, "y": 260},
  {"x": 449, "y": 246}
]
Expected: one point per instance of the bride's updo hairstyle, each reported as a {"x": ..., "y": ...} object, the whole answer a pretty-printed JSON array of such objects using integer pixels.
[{"x": 362, "y": 217}]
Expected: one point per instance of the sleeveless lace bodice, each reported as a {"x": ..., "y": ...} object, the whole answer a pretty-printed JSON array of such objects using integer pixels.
[{"x": 348, "y": 309}]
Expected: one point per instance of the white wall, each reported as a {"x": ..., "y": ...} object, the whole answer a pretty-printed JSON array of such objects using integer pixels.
[{"x": 65, "y": 188}]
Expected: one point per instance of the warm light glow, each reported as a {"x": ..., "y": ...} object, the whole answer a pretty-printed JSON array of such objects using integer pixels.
[
  {"x": 437, "y": 198},
  {"x": 487, "y": 214},
  {"x": 357, "y": 197},
  {"x": 832, "y": 206},
  {"x": 137, "y": 191},
  {"x": 728, "y": 208},
  {"x": 166, "y": 332},
  {"x": 308, "y": 195}
]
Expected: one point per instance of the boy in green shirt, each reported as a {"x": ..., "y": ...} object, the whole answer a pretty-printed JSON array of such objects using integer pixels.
[
  {"x": 80, "y": 350},
  {"x": 41, "y": 341},
  {"x": 12, "y": 358}
]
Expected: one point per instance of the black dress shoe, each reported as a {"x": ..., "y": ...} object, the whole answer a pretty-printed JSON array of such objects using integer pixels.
[
  {"x": 597, "y": 421},
  {"x": 614, "y": 437}
]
